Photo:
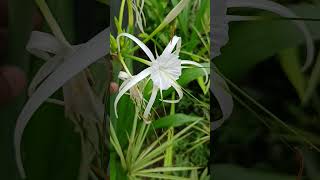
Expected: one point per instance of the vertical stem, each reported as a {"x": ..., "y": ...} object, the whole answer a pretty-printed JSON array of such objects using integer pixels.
[
  {"x": 123, "y": 63},
  {"x": 130, "y": 17},
  {"x": 121, "y": 15},
  {"x": 52, "y": 22},
  {"x": 169, "y": 151}
]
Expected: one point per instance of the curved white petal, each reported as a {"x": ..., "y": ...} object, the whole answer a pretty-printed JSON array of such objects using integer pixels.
[
  {"x": 198, "y": 65},
  {"x": 173, "y": 42},
  {"x": 44, "y": 72},
  {"x": 220, "y": 90},
  {"x": 123, "y": 75},
  {"x": 177, "y": 87},
  {"x": 283, "y": 11},
  {"x": 89, "y": 53},
  {"x": 151, "y": 101},
  {"x": 140, "y": 43},
  {"x": 133, "y": 81},
  {"x": 41, "y": 44}
]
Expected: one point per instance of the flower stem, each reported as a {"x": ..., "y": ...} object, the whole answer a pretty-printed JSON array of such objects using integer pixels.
[
  {"x": 130, "y": 16},
  {"x": 169, "y": 151},
  {"x": 123, "y": 64},
  {"x": 52, "y": 22},
  {"x": 121, "y": 15},
  {"x": 146, "y": 62}
]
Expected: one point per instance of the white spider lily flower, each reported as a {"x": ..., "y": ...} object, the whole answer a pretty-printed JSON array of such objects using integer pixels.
[
  {"x": 220, "y": 21},
  {"x": 59, "y": 70},
  {"x": 164, "y": 71}
]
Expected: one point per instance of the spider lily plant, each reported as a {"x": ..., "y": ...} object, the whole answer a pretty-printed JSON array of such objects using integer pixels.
[
  {"x": 65, "y": 68},
  {"x": 220, "y": 27},
  {"x": 164, "y": 71}
]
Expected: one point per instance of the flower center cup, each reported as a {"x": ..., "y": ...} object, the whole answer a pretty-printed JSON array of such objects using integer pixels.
[{"x": 165, "y": 70}]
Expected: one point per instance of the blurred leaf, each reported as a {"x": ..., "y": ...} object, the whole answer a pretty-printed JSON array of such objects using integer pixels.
[
  {"x": 231, "y": 172},
  {"x": 313, "y": 81},
  {"x": 254, "y": 42},
  {"x": 312, "y": 167},
  {"x": 175, "y": 121},
  {"x": 19, "y": 27},
  {"x": 50, "y": 145},
  {"x": 290, "y": 64},
  {"x": 116, "y": 171}
]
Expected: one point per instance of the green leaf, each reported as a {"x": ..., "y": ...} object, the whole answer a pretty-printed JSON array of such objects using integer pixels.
[
  {"x": 312, "y": 82},
  {"x": 290, "y": 64},
  {"x": 50, "y": 145},
  {"x": 116, "y": 171},
  {"x": 312, "y": 166},
  {"x": 175, "y": 120},
  {"x": 251, "y": 43}
]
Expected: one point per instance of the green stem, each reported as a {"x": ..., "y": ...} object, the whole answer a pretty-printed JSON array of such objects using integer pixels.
[
  {"x": 123, "y": 64},
  {"x": 52, "y": 22},
  {"x": 173, "y": 106},
  {"x": 130, "y": 17},
  {"x": 121, "y": 14},
  {"x": 146, "y": 62},
  {"x": 158, "y": 29},
  {"x": 195, "y": 55},
  {"x": 169, "y": 152}
]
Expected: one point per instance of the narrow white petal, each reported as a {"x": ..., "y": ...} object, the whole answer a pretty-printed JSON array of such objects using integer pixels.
[
  {"x": 41, "y": 44},
  {"x": 44, "y": 72},
  {"x": 220, "y": 90},
  {"x": 91, "y": 52},
  {"x": 151, "y": 101},
  {"x": 123, "y": 75},
  {"x": 177, "y": 87},
  {"x": 173, "y": 42},
  {"x": 133, "y": 81},
  {"x": 198, "y": 65},
  {"x": 140, "y": 43},
  {"x": 283, "y": 11}
]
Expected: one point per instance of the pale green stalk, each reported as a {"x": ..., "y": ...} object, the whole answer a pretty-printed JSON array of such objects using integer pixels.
[
  {"x": 52, "y": 22},
  {"x": 121, "y": 15},
  {"x": 146, "y": 62},
  {"x": 169, "y": 152},
  {"x": 130, "y": 17},
  {"x": 123, "y": 63}
]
